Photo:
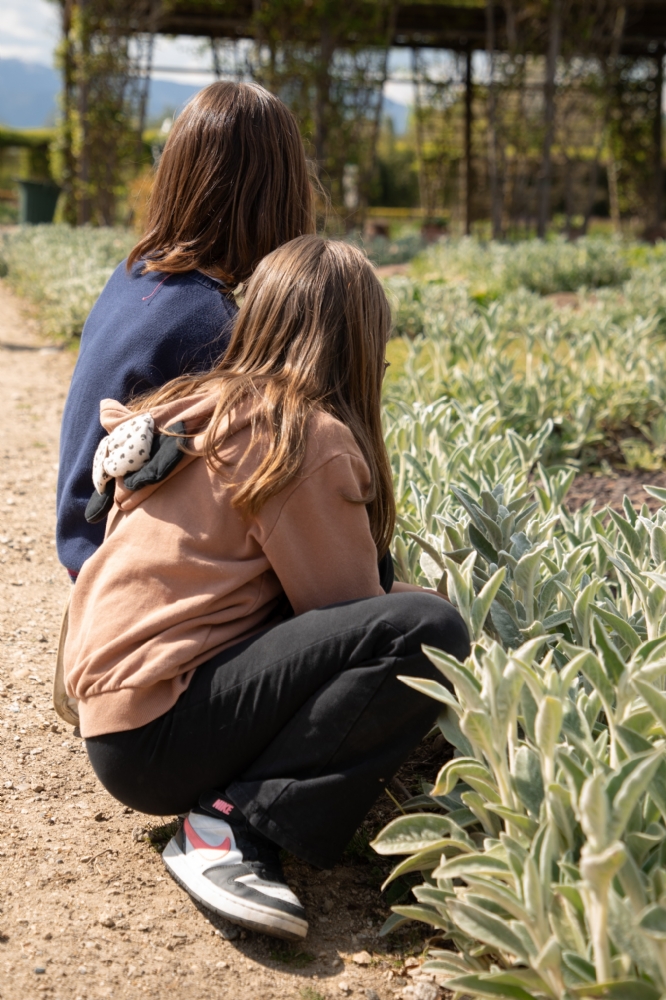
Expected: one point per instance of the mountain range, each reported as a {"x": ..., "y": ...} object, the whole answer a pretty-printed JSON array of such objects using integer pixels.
[{"x": 29, "y": 97}]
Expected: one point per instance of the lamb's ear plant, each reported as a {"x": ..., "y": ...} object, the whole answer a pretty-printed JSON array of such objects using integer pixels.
[
  {"x": 542, "y": 844},
  {"x": 542, "y": 848}
]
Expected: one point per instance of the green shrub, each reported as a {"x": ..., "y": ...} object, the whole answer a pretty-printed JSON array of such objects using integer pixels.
[
  {"x": 543, "y": 842},
  {"x": 598, "y": 371},
  {"x": 556, "y": 266},
  {"x": 63, "y": 270},
  {"x": 382, "y": 250}
]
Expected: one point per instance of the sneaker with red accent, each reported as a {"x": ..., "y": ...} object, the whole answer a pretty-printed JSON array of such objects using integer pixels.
[{"x": 233, "y": 870}]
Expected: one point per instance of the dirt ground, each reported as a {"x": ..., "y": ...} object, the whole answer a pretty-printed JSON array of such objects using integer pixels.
[
  {"x": 610, "y": 490},
  {"x": 87, "y": 909}
]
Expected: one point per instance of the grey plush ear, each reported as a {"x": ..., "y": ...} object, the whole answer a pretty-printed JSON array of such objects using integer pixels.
[
  {"x": 100, "y": 504},
  {"x": 165, "y": 455}
]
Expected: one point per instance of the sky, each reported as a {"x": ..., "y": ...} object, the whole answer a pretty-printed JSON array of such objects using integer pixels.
[{"x": 29, "y": 30}]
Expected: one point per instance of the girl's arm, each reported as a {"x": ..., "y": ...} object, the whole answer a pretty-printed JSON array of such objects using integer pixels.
[{"x": 318, "y": 541}]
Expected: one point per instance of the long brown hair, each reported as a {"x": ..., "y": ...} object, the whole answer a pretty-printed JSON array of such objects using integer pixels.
[
  {"x": 311, "y": 332},
  {"x": 232, "y": 185}
]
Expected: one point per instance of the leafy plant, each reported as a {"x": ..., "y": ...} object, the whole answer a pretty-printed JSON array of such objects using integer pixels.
[
  {"x": 546, "y": 268},
  {"x": 63, "y": 270},
  {"x": 592, "y": 364},
  {"x": 542, "y": 840}
]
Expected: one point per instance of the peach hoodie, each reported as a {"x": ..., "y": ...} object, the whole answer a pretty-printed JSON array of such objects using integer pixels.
[{"x": 182, "y": 574}]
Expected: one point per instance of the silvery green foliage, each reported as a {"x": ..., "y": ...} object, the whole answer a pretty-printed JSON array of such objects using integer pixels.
[
  {"x": 63, "y": 270},
  {"x": 476, "y": 337},
  {"x": 542, "y": 843},
  {"x": 544, "y": 267},
  {"x": 382, "y": 250}
]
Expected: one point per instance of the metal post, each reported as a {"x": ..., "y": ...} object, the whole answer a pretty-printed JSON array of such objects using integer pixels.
[
  {"x": 468, "y": 142},
  {"x": 657, "y": 142},
  {"x": 554, "y": 37},
  {"x": 495, "y": 194}
]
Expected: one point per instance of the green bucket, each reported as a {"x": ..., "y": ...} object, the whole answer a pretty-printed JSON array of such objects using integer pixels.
[{"x": 37, "y": 201}]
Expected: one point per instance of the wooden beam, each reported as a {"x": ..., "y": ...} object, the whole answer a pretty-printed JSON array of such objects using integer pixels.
[{"x": 435, "y": 24}]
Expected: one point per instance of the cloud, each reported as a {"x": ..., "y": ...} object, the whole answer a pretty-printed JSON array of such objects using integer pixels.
[{"x": 29, "y": 30}]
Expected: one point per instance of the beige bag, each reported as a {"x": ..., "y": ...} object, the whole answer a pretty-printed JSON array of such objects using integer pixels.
[{"x": 67, "y": 708}]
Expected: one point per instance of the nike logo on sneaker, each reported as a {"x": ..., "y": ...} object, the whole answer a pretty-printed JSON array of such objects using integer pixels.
[
  {"x": 223, "y": 807},
  {"x": 199, "y": 844}
]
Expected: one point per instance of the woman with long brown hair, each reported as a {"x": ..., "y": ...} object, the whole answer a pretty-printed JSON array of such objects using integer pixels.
[
  {"x": 232, "y": 185},
  {"x": 236, "y": 643}
]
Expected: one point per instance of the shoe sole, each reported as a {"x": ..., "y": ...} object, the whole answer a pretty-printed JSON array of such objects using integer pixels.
[{"x": 250, "y": 915}]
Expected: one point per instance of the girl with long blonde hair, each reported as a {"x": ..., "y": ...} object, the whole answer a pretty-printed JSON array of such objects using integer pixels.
[{"x": 236, "y": 643}]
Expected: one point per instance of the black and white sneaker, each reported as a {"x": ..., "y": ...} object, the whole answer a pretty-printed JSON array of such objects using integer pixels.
[{"x": 233, "y": 870}]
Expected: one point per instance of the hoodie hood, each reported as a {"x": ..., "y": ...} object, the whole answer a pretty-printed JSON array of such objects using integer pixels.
[{"x": 175, "y": 445}]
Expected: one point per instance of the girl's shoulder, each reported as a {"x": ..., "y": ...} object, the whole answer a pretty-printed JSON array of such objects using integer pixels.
[{"x": 328, "y": 438}]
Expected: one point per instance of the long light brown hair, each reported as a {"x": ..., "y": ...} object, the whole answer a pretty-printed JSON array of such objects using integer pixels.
[
  {"x": 311, "y": 332},
  {"x": 232, "y": 185}
]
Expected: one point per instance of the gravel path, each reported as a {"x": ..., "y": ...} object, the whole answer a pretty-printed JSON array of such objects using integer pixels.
[{"x": 87, "y": 909}]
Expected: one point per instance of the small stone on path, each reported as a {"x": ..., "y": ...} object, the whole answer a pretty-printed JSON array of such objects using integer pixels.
[{"x": 362, "y": 958}]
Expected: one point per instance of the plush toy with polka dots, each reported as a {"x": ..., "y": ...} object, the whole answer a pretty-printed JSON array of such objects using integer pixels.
[{"x": 126, "y": 450}]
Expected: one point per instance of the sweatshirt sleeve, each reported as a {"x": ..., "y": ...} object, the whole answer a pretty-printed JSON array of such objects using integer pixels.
[{"x": 320, "y": 546}]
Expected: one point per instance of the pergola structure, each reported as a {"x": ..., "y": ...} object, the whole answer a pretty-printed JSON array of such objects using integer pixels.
[
  {"x": 102, "y": 73},
  {"x": 439, "y": 24},
  {"x": 465, "y": 27}
]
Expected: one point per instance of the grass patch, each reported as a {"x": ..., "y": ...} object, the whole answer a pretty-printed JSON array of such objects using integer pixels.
[
  {"x": 290, "y": 955},
  {"x": 159, "y": 836},
  {"x": 309, "y": 993}
]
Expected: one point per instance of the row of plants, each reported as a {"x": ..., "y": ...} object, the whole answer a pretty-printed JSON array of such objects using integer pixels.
[
  {"x": 557, "y": 265},
  {"x": 542, "y": 844},
  {"x": 594, "y": 363},
  {"x": 540, "y": 847},
  {"x": 62, "y": 270}
]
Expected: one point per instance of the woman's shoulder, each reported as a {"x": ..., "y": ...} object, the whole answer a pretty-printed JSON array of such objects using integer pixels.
[
  {"x": 156, "y": 287},
  {"x": 157, "y": 308}
]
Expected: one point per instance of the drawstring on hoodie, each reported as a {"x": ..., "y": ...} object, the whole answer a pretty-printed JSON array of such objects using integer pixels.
[{"x": 155, "y": 289}]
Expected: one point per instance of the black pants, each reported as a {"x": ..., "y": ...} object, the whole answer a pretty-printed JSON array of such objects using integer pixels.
[{"x": 301, "y": 725}]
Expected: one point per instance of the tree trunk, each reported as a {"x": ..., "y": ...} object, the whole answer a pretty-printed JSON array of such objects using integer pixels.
[
  {"x": 552, "y": 55},
  {"x": 568, "y": 197},
  {"x": 424, "y": 187},
  {"x": 83, "y": 214},
  {"x": 217, "y": 69},
  {"x": 322, "y": 97},
  {"x": 66, "y": 128},
  {"x": 613, "y": 193},
  {"x": 610, "y": 71},
  {"x": 144, "y": 81}
]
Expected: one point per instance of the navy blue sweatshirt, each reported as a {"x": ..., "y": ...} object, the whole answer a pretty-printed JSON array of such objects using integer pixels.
[{"x": 144, "y": 330}]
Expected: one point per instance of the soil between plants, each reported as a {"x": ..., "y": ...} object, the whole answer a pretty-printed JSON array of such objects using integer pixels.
[
  {"x": 610, "y": 490},
  {"x": 87, "y": 909}
]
